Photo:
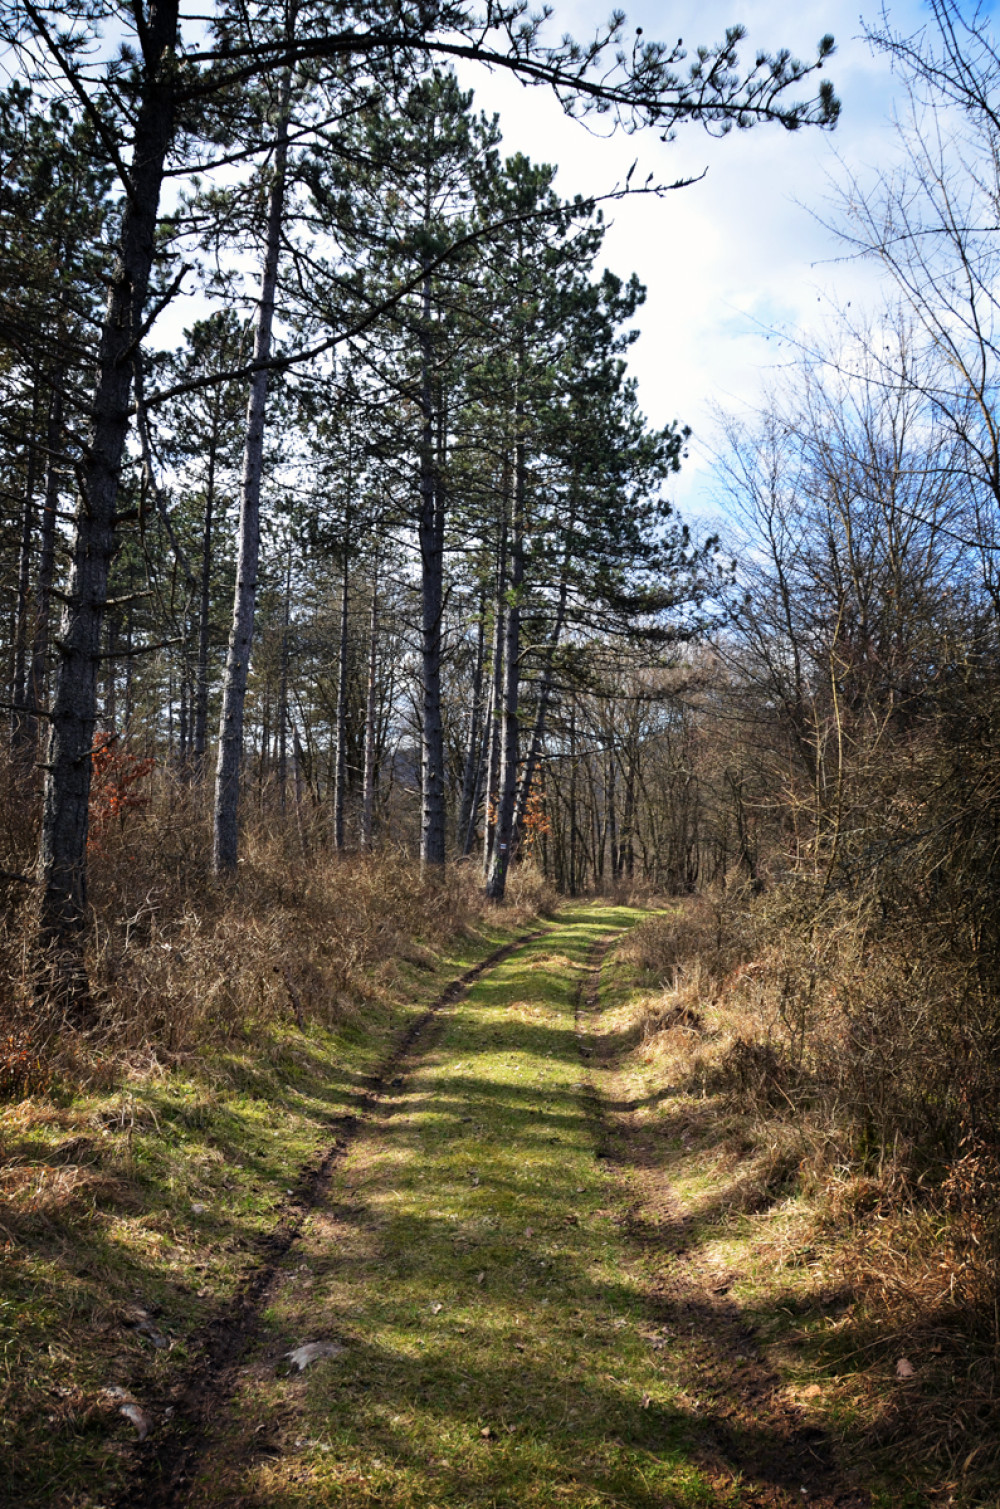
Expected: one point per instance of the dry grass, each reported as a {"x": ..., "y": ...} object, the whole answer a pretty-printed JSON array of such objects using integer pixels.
[
  {"x": 143, "y": 1162},
  {"x": 853, "y": 1068},
  {"x": 177, "y": 959}
]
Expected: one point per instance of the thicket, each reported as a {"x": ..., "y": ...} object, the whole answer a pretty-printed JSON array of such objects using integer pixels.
[
  {"x": 180, "y": 963},
  {"x": 830, "y": 768}
]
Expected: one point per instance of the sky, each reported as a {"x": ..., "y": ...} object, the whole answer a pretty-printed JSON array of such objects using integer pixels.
[{"x": 742, "y": 257}]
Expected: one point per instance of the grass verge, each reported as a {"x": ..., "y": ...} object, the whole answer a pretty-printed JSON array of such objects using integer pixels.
[
  {"x": 129, "y": 1215},
  {"x": 758, "y": 1224}
]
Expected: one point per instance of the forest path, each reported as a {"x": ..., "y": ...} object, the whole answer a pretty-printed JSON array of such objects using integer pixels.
[{"x": 493, "y": 1333}]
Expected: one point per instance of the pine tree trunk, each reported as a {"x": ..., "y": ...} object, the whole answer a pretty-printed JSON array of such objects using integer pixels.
[
  {"x": 63, "y": 846},
  {"x": 283, "y": 690},
  {"x": 431, "y": 540},
  {"x": 182, "y": 715},
  {"x": 573, "y": 832},
  {"x": 541, "y": 713},
  {"x": 371, "y": 730},
  {"x": 470, "y": 775},
  {"x": 199, "y": 737},
  {"x": 628, "y": 816},
  {"x": 496, "y": 689},
  {"x": 481, "y": 762},
  {"x": 340, "y": 770},
  {"x": 47, "y": 555},
  {"x": 129, "y": 704},
  {"x": 21, "y": 723},
  {"x": 227, "y": 775},
  {"x": 110, "y": 677},
  {"x": 297, "y": 788},
  {"x": 496, "y": 883},
  {"x": 612, "y": 799}
]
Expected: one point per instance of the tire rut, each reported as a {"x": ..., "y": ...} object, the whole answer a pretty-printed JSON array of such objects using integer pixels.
[{"x": 165, "y": 1468}]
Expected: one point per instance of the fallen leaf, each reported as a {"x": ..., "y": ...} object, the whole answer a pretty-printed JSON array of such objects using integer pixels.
[
  {"x": 646, "y": 1401},
  {"x": 528, "y": 1231},
  {"x": 905, "y": 1368},
  {"x": 480, "y": 1278},
  {"x": 311, "y": 1352},
  {"x": 133, "y": 1413},
  {"x": 486, "y": 1433},
  {"x": 147, "y": 1329}
]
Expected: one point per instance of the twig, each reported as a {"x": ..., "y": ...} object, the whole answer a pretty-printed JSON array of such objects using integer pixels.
[{"x": 293, "y": 996}]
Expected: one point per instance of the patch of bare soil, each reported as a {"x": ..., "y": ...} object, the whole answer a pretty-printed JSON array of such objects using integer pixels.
[{"x": 754, "y": 1437}]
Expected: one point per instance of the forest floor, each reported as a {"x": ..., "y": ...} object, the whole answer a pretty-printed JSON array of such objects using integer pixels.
[{"x": 511, "y": 1259}]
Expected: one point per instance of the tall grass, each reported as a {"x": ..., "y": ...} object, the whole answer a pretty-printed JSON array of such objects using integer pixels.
[{"x": 177, "y": 957}]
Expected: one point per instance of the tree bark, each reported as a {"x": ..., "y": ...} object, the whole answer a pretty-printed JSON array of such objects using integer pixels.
[
  {"x": 283, "y": 688},
  {"x": 496, "y": 688},
  {"x": 496, "y": 883},
  {"x": 470, "y": 775},
  {"x": 627, "y": 850},
  {"x": 225, "y": 848},
  {"x": 541, "y": 715},
  {"x": 110, "y": 676},
  {"x": 371, "y": 731},
  {"x": 612, "y": 800},
  {"x": 47, "y": 554},
  {"x": 21, "y": 723},
  {"x": 199, "y": 736},
  {"x": 340, "y": 765},
  {"x": 572, "y": 866},
  {"x": 431, "y": 539},
  {"x": 63, "y": 847}
]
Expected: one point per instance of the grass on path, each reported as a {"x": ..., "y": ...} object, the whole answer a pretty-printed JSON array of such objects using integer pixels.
[
  {"x": 468, "y": 1264},
  {"x": 128, "y": 1217}
]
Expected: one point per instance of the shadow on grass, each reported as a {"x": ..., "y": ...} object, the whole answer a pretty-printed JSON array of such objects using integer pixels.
[
  {"x": 107, "y": 1267},
  {"x": 466, "y": 1238}
]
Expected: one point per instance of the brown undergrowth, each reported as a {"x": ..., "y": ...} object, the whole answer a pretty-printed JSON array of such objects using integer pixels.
[
  {"x": 177, "y": 958},
  {"x": 845, "y": 1080}
]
